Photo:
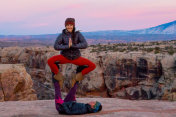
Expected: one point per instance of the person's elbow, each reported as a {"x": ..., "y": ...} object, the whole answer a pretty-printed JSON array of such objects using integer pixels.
[
  {"x": 56, "y": 47},
  {"x": 85, "y": 45}
]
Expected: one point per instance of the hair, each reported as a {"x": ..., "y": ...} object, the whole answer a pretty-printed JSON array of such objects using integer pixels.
[{"x": 74, "y": 34}]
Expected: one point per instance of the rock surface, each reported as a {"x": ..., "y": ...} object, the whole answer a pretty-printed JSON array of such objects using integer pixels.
[
  {"x": 131, "y": 75},
  {"x": 111, "y": 107},
  {"x": 15, "y": 83}
]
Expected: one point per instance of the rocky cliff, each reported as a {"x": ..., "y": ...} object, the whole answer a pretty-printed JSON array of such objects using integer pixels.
[
  {"x": 131, "y": 75},
  {"x": 15, "y": 83}
]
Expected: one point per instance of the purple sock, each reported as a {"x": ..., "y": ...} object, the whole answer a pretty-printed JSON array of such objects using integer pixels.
[{"x": 71, "y": 95}]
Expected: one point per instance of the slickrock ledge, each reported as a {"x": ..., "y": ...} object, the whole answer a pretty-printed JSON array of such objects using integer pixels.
[{"x": 113, "y": 107}]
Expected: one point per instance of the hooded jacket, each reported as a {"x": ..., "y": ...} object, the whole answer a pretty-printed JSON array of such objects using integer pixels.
[
  {"x": 62, "y": 43},
  {"x": 74, "y": 108}
]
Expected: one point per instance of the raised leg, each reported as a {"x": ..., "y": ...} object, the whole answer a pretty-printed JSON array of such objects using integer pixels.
[
  {"x": 81, "y": 61},
  {"x": 51, "y": 62},
  {"x": 71, "y": 95},
  {"x": 58, "y": 96}
]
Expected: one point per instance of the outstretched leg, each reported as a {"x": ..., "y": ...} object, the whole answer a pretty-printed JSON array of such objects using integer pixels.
[
  {"x": 58, "y": 96},
  {"x": 53, "y": 66},
  {"x": 71, "y": 95},
  {"x": 81, "y": 61},
  {"x": 58, "y": 99}
]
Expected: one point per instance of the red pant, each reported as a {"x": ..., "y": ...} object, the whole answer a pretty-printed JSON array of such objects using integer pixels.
[{"x": 63, "y": 60}]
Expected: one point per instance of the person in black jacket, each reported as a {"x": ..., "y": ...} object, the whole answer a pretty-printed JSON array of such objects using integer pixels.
[
  {"x": 69, "y": 42},
  {"x": 75, "y": 108},
  {"x": 69, "y": 105}
]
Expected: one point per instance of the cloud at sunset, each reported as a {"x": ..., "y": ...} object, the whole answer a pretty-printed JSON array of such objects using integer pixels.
[{"x": 48, "y": 16}]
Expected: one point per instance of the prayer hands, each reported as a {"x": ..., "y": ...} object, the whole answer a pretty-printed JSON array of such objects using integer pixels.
[{"x": 70, "y": 42}]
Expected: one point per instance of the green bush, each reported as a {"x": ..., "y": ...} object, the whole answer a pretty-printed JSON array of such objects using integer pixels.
[
  {"x": 149, "y": 49},
  {"x": 170, "y": 51}
]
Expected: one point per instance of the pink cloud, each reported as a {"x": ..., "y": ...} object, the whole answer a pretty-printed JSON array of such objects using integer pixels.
[
  {"x": 73, "y": 6},
  {"x": 154, "y": 12},
  {"x": 35, "y": 25},
  {"x": 89, "y": 14}
]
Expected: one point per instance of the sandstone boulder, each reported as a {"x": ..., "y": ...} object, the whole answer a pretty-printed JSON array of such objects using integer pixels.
[{"x": 15, "y": 83}]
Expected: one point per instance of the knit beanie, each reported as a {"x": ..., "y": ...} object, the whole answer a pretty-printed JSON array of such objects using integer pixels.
[{"x": 70, "y": 21}]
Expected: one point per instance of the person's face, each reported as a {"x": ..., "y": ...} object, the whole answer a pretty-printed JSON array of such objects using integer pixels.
[
  {"x": 92, "y": 104},
  {"x": 69, "y": 27}
]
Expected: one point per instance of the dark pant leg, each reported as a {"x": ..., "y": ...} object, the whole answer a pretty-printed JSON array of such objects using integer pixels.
[
  {"x": 58, "y": 96},
  {"x": 71, "y": 95}
]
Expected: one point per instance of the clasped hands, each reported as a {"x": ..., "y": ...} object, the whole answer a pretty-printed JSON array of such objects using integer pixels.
[{"x": 70, "y": 42}]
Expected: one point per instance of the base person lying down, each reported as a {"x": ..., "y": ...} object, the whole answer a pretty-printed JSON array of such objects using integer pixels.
[
  {"x": 73, "y": 107},
  {"x": 70, "y": 106}
]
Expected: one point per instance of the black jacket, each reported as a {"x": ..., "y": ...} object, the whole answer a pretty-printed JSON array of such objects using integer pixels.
[
  {"x": 74, "y": 108},
  {"x": 62, "y": 43}
]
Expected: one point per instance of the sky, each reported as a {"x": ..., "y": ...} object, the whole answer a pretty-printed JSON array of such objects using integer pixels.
[{"x": 24, "y": 17}]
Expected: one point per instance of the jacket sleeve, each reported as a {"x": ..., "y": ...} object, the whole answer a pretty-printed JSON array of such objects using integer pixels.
[
  {"x": 82, "y": 42},
  {"x": 58, "y": 44},
  {"x": 74, "y": 108},
  {"x": 67, "y": 107}
]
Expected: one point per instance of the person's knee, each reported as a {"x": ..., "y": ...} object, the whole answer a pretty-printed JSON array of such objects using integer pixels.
[
  {"x": 49, "y": 61},
  {"x": 93, "y": 66}
]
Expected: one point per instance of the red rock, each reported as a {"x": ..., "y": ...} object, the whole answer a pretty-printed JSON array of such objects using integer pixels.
[
  {"x": 112, "y": 107},
  {"x": 16, "y": 83}
]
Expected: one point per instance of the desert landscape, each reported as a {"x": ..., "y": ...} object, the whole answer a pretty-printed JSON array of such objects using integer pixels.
[
  {"x": 131, "y": 42},
  {"x": 138, "y": 70},
  {"x": 124, "y": 71}
]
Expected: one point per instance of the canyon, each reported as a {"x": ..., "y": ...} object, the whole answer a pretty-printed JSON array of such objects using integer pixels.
[{"x": 125, "y": 75}]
